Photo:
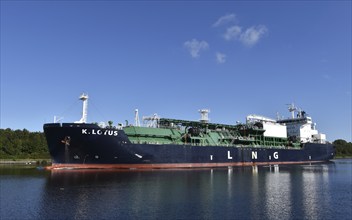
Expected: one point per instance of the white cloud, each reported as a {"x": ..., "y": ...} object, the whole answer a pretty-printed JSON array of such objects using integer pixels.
[
  {"x": 247, "y": 36},
  {"x": 233, "y": 33},
  {"x": 225, "y": 20},
  {"x": 220, "y": 57},
  {"x": 194, "y": 47},
  {"x": 253, "y": 34}
]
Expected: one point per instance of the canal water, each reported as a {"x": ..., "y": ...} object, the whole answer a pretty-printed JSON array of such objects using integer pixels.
[{"x": 310, "y": 191}]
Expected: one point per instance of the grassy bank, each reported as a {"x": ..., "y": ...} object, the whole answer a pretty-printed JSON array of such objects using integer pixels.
[
  {"x": 343, "y": 157},
  {"x": 26, "y": 161}
]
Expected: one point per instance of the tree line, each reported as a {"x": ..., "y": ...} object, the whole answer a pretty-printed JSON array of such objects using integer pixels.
[
  {"x": 23, "y": 144},
  {"x": 343, "y": 148}
]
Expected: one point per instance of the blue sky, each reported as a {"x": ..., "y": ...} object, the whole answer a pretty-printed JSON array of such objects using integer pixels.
[{"x": 174, "y": 58}]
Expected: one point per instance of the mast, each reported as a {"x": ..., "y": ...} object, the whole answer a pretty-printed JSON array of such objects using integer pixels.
[
  {"x": 136, "y": 118},
  {"x": 292, "y": 108},
  {"x": 84, "y": 98}
]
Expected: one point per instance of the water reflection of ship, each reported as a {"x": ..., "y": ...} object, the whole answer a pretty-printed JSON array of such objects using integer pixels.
[{"x": 265, "y": 189}]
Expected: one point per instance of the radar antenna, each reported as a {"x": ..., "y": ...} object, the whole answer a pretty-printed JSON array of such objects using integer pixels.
[{"x": 292, "y": 108}]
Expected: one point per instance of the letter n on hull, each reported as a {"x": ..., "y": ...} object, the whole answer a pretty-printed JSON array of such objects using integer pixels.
[{"x": 254, "y": 155}]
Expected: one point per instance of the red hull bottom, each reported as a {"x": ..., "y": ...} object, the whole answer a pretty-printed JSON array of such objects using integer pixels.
[{"x": 169, "y": 165}]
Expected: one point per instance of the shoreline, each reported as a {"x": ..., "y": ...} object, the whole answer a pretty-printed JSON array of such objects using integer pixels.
[
  {"x": 25, "y": 161},
  {"x": 342, "y": 157}
]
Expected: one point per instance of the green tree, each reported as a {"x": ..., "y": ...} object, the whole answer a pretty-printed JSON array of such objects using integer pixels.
[
  {"x": 19, "y": 144},
  {"x": 343, "y": 148},
  {"x": 110, "y": 123}
]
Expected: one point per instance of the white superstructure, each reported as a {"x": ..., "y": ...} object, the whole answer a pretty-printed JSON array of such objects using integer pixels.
[
  {"x": 302, "y": 127},
  {"x": 271, "y": 127},
  {"x": 299, "y": 128}
]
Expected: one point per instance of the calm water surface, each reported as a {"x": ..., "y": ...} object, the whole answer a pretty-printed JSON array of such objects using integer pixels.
[{"x": 319, "y": 191}]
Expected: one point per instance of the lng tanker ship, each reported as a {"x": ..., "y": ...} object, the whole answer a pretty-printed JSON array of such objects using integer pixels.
[{"x": 174, "y": 143}]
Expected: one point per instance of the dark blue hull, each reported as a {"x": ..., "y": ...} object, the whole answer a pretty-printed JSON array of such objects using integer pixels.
[{"x": 89, "y": 146}]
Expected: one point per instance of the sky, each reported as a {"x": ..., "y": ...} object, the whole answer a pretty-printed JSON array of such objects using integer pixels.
[{"x": 173, "y": 58}]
